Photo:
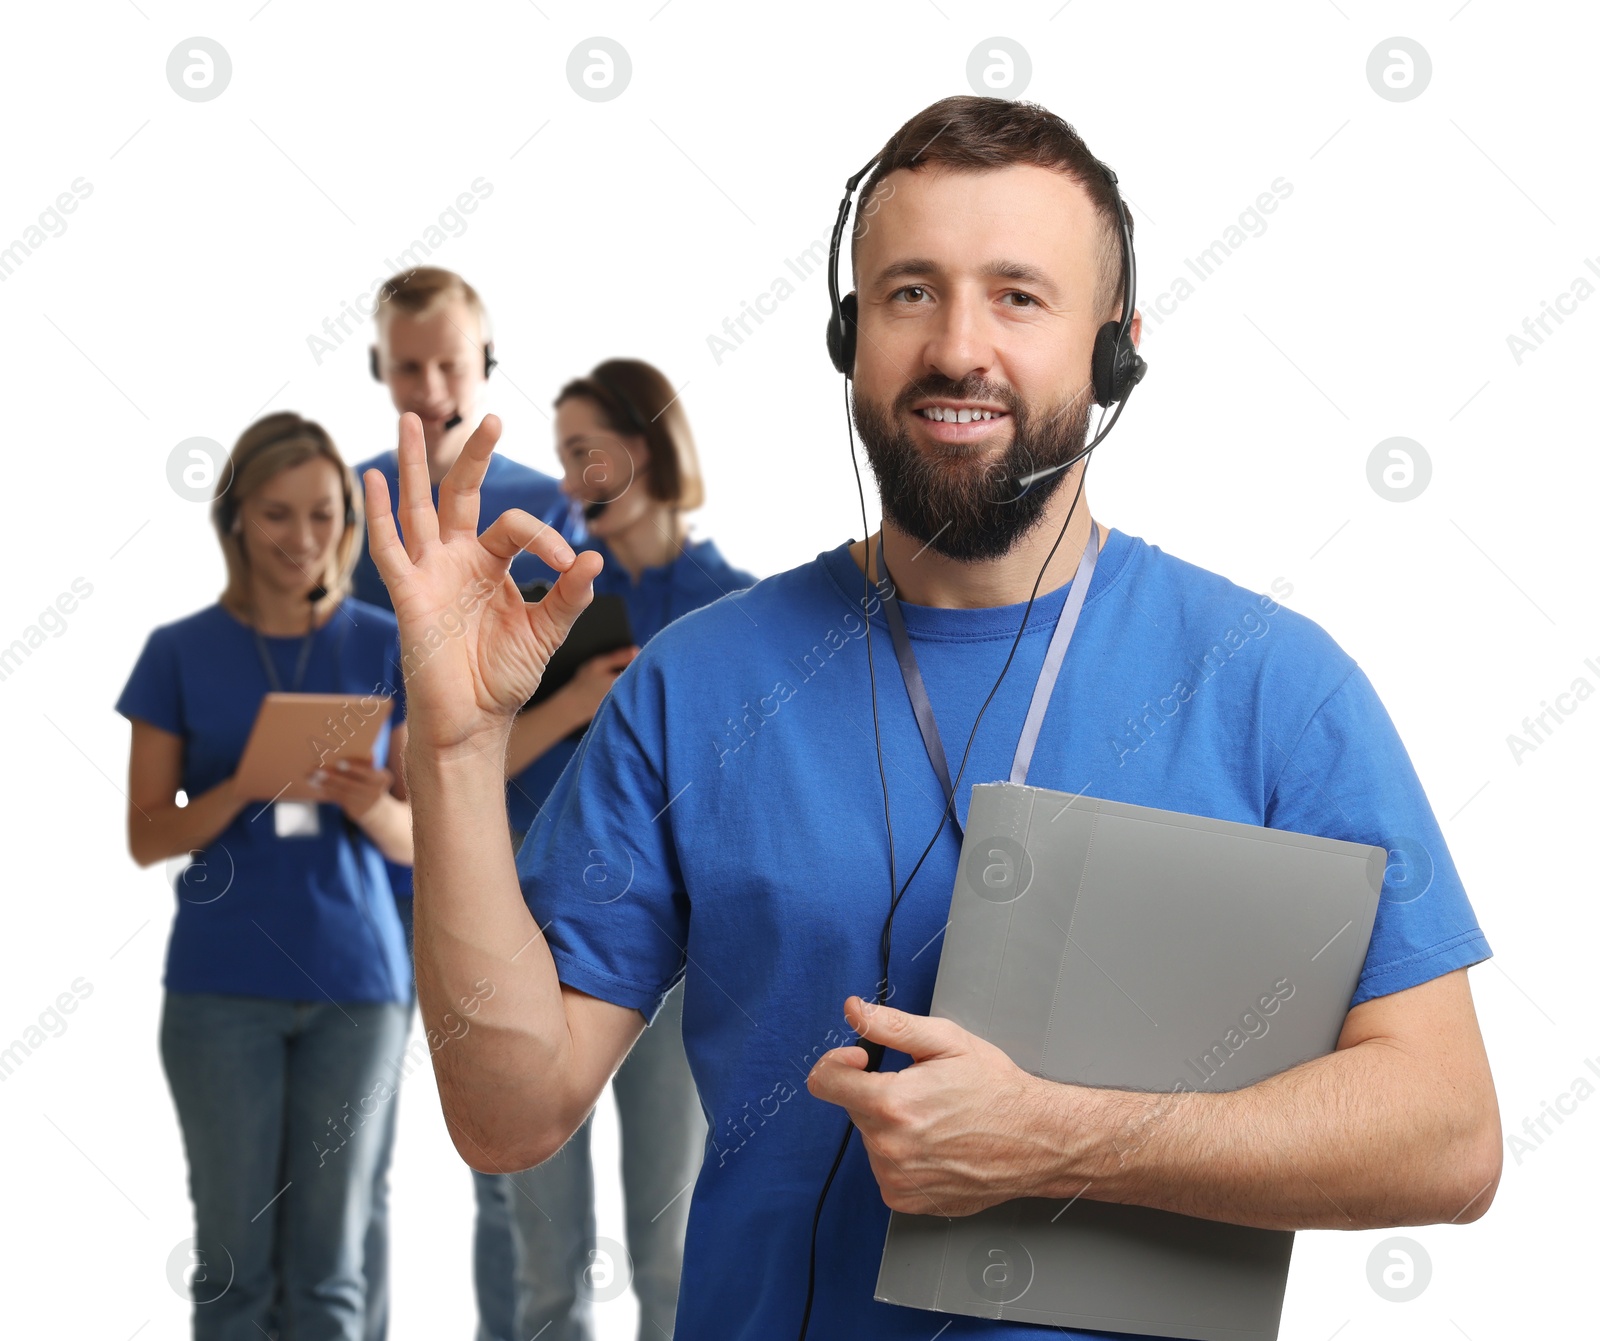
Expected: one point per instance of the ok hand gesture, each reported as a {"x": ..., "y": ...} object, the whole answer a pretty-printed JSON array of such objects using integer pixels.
[{"x": 473, "y": 650}]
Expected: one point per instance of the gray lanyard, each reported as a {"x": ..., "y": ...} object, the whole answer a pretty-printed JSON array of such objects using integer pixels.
[
  {"x": 1054, "y": 655},
  {"x": 300, "y": 664}
]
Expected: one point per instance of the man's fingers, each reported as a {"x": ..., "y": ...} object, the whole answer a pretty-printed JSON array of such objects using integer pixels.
[
  {"x": 840, "y": 1077},
  {"x": 919, "y": 1036},
  {"x": 516, "y": 530},
  {"x": 416, "y": 492},
  {"x": 459, "y": 490},
  {"x": 854, "y": 1056},
  {"x": 383, "y": 537},
  {"x": 570, "y": 596}
]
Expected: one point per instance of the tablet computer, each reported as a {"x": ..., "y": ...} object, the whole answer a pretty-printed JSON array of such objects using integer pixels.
[
  {"x": 295, "y": 734},
  {"x": 602, "y": 627}
]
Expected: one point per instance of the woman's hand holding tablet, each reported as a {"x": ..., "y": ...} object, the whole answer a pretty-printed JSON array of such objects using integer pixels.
[{"x": 354, "y": 785}]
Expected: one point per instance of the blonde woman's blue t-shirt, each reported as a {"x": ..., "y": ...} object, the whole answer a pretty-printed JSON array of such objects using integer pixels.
[
  {"x": 722, "y": 822},
  {"x": 301, "y": 918}
]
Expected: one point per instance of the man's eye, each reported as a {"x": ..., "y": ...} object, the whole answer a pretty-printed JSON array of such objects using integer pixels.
[
  {"x": 1028, "y": 300},
  {"x": 916, "y": 289}
]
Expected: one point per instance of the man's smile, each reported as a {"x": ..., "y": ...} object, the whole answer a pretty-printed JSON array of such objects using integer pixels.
[{"x": 959, "y": 421}]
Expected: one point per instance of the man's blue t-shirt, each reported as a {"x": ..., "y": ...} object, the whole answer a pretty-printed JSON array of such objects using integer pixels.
[
  {"x": 698, "y": 576},
  {"x": 506, "y": 484},
  {"x": 301, "y": 918},
  {"x": 723, "y": 821}
]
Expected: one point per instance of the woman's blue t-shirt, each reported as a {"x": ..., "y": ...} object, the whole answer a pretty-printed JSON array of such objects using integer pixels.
[{"x": 302, "y": 918}]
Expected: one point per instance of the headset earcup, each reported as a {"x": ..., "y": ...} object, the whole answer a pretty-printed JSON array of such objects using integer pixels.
[
  {"x": 842, "y": 344},
  {"x": 372, "y": 362},
  {"x": 1103, "y": 366},
  {"x": 1116, "y": 366}
]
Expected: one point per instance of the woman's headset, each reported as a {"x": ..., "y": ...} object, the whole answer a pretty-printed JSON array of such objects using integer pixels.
[{"x": 225, "y": 507}]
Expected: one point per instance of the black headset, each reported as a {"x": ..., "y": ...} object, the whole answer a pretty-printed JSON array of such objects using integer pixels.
[
  {"x": 225, "y": 508},
  {"x": 1115, "y": 367},
  {"x": 489, "y": 360}
]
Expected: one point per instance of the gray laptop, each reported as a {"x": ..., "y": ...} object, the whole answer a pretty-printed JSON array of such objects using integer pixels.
[{"x": 1118, "y": 945}]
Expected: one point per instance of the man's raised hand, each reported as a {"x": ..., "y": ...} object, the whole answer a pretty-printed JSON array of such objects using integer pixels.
[{"x": 473, "y": 651}]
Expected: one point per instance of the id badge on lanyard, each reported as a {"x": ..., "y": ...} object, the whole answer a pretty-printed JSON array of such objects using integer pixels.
[
  {"x": 296, "y": 819},
  {"x": 291, "y": 819}
]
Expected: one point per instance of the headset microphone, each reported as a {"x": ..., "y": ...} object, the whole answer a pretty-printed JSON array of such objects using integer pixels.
[
  {"x": 1033, "y": 477},
  {"x": 375, "y": 367}
]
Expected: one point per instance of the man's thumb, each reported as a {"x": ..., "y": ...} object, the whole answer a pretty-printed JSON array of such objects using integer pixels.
[
  {"x": 919, "y": 1036},
  {"x": 569, "y": 597}
]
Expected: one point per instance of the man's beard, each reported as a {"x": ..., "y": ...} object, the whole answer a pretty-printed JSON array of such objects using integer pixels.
[{"x": 958, "y": 505}]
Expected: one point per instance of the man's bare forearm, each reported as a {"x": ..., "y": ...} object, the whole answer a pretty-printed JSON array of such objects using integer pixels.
[
  {"x": 1352, "y": 1140},
  {"x": 476, "y": 942}
]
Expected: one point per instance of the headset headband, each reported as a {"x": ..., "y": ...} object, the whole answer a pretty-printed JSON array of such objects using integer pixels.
[
  {"x": 1116, "y": 367},
  {"x": 838, "y": 236},
  {"x": 224, "y": 508}
]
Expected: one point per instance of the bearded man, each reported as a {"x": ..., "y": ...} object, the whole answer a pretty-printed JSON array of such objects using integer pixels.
[{"x": 989, "y": 260}]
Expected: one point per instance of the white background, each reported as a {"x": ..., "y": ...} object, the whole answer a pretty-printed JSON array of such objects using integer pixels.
[{"x": 1377, "y": 303}]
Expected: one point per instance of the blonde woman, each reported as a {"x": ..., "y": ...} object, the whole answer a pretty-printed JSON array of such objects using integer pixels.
[{"x": 287, "y": 975}]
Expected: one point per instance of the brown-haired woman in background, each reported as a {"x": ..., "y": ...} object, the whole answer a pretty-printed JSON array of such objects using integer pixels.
[
  {"x": 629, "y": 463},
  {"x": 287, "y": 974}
]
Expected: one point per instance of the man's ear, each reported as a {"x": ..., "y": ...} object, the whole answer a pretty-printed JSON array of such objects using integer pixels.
[{"x": 1136, "y": 327}]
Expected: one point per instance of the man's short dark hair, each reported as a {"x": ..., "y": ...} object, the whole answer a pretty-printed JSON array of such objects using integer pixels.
[{"x": 967, "y": 134}]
